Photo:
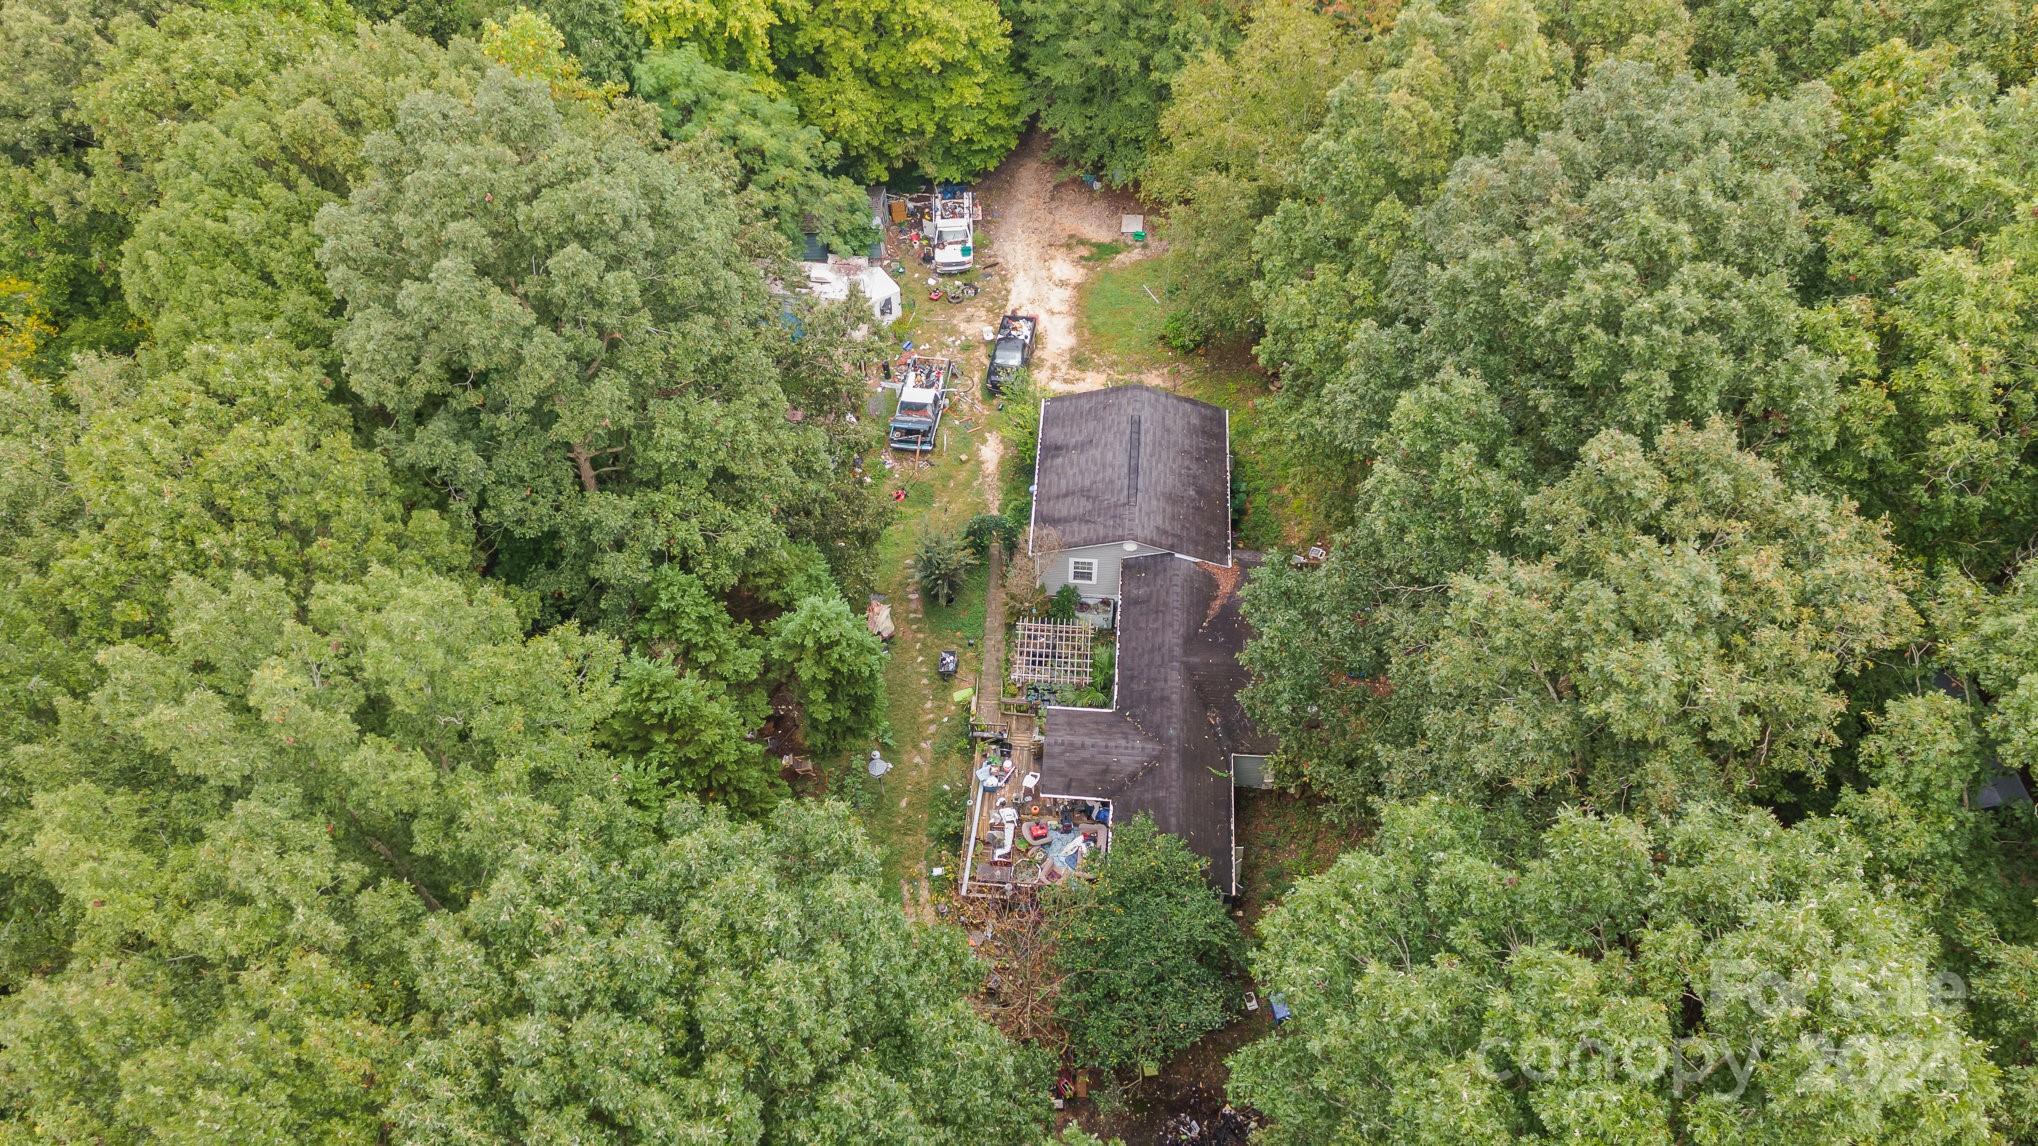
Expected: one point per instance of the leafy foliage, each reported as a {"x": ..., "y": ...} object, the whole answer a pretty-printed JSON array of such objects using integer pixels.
[
  {"x": 836, "y": 669},
  {"x": 1926, "y": 269},
  {"x": 738, "y": 983},
  {"x": 782, "y": 164},
  {"x": 1100, "y": 72},
  {"x": 987, "y": 529},
  {"x": 1230, "y": 150},
  {"x": 1713, "y": 979},
  {"x": 941, "y": 564},
  {"x": 598, "y": 386},
  {"x": 1586, "y": 283},
  {"x": 686, "y": 733},
  {"x": 1666, "y": 625},
  {"x": 1063, "y": 604},
  {"x": 922, "y": 84},
  {"x": 1143, "y": 947}
]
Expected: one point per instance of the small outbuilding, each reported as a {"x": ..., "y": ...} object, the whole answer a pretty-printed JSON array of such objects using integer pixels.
[{"x": 832, "y": 280}]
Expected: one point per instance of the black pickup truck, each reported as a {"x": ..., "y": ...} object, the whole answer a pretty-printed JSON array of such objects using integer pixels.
[{"x": 1011, "y": 352}]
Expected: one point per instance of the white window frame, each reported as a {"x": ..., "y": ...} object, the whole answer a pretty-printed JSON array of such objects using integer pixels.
[{"x": 1079, "y": 563}]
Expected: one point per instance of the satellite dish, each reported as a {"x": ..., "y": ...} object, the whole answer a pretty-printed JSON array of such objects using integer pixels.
[{"x": 878, "y": 765}]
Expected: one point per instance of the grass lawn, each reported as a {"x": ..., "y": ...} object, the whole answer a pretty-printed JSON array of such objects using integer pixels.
[
  {"x": 942, "y": 493},
  {"x": 1121, "y": 311}
]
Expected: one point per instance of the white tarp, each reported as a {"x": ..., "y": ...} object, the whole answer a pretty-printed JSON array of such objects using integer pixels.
[
  {"x": 831, "y": 281},
  {"x": 882, "y": 292}
]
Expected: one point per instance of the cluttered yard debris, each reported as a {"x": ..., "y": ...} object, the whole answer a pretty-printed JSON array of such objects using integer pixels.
[
  {"x": 1019, "y": 836},
  {"x": 877, "y": 617},
  {"x": 923, "y": 396}
]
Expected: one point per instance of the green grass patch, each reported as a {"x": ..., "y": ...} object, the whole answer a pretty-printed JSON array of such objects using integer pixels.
[
  {"x": 1121, "y": 311},
  {"x": 1258, "y": 465},
  {"x": 956, "y": 626},
  {"x": 1101, "y": 252},
  {"x": 941, "y": 493}
]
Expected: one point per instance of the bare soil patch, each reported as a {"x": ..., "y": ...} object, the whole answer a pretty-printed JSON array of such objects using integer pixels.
[{"x": 1039, "y": 215}]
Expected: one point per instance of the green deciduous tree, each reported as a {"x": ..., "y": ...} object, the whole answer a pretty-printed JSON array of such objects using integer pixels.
[
  {"x": 234, "y": 462},
  {"x": 599, "y": 34},
  {"x": 1435, "y": 87},
  {"x": 1716, "y": 979},
  {"x": 835, "y": 669},
  {"x": 1585, "y": 281},
  {"x": 781, "y": 164},
  {"x": 158, "y": 77},
  {"x": 529, "y": 46},
  {"x": 235, "y": 835},
  {"x": 559, "y": 330},
  {"x": 1927, "y": 242},
  {"x": 1670, "y": 624},
  {"x": 47, "y": 49},
  {"x": 1231, "y": 148},
  {"x": 1774, "y": 43},
  {"x": 920, "y": 84},
  {"x": 1101, "y": 73},
  {"x": 1143, "y": 947},
  {"x": 227, "y": 250},
  {"x": 705, "y": 982},
  {"x": 351, "y": 865},
  {"x": 680, "y": 733}
]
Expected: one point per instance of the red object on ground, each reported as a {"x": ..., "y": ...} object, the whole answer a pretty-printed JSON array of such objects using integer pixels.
[{"x": 1036, "y": 832}]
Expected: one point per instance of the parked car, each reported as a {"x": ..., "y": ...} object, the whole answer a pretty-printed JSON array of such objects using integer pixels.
[{"x": 1012, "y": 350}]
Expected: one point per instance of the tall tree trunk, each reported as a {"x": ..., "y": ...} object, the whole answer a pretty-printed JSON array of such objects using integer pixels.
[{"x": 584, "y": 462}]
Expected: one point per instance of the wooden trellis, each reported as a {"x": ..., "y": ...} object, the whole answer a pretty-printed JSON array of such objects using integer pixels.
[{"x": 1052, "y": 652}]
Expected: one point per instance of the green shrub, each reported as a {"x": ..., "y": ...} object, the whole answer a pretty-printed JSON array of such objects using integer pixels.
[
  {"x": 987, "y": 527},
  {"x": 941, "y": 564},
  {"x": 948, "y": 819},
  {"x": 1062, "y": 606},
  {"x": 1182, "y": 334}
]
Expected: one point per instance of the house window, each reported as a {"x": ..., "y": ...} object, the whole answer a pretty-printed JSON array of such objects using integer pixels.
[{"x": 1083, "y": 570}]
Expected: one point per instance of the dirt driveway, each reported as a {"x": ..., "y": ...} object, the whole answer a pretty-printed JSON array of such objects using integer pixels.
[{"x": 1040, "y": 217}]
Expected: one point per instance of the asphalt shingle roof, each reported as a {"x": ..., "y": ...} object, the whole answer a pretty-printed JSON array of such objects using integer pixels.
[
  {"x": 1132, "y": 463},
  {"x": 1166, "y": 749}
]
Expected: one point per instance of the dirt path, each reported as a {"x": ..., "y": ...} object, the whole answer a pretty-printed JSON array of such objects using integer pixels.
[{"x": 1042, "y": 216}]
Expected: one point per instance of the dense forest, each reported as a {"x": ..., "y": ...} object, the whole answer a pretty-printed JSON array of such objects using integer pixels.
[{"x": 420, "y": 505}]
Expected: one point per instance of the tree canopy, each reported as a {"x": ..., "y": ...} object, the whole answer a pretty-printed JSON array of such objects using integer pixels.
[
  {"x": 1099, "y": 73},
  {"x": 1716, "y": 978},
  {"x": 923, "y": 85},
  {"x": 782, "y": 163},
  {"x": 1142, "y": 948},
  {"x": 429, "y": 528},
  {"x": 567, "y": 341}
]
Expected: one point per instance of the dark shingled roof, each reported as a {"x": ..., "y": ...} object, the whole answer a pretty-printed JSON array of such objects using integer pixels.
[
  {"x": 1166, "y": 749},
  {"x": 1135, "y": 464}
]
